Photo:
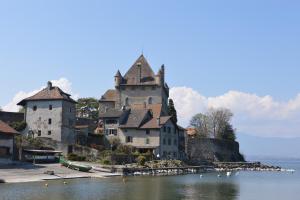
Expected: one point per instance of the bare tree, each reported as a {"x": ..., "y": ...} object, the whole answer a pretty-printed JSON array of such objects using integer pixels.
[
  {"x": 219, "y": 119},
  {"x": 202, "y": 125},
  {"x": 214, "y": 123}
]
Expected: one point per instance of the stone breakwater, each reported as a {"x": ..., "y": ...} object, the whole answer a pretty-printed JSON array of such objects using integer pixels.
[{"x": 247, "y": 166}]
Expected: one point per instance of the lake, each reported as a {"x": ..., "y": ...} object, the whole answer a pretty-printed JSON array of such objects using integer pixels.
[{"x": 244, "y": 186}]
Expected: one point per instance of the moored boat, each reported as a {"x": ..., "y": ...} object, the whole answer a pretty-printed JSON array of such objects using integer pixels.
[{"x": 75, "y": 165}]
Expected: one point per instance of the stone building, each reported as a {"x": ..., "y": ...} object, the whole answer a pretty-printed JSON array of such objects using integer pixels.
[
  {"x": 136, "y": 111},
  {"x": 7, "y": 135},
  {"x": 51, "y": 113}
]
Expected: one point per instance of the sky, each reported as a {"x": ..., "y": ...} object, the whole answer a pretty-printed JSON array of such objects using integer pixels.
[{"x": 242, "y": 55}]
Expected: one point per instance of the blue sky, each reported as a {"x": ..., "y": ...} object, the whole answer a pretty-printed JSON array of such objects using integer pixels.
[{"x": 212, "y": 47}]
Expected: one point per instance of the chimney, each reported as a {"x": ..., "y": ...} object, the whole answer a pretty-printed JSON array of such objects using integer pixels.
[
  {"x": 49, "y": 85},
  {"x": 158, "y": 121}
]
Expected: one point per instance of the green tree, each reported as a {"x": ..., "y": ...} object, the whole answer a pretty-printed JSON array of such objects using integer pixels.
[
  {"x": 18, "y": 126},
  {"x": 87, "y": 107},
  {"x": 172, "y": 111}
]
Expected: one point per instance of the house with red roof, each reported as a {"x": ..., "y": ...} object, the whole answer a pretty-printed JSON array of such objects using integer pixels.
[{"x": 7, "y": 135}]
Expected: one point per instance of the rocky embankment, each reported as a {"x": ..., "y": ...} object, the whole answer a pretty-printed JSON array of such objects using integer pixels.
[{"x": 246, "y": 166}]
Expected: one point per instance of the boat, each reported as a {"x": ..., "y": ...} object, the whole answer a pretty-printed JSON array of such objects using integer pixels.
[{"x": 75, "y": 165}]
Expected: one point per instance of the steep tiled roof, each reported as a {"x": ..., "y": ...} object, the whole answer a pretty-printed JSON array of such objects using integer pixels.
[
  {"x": 156, "y": 109},
  {"x": 110, "y": 95},
  {"x": 135, "y": 118},
  {"x": 6, "y": 129},
  {"x": 112, "y": 113},
  {"x": 146, "y": 74},
  {"x": 152, "y": 124},
  {"x": 49, "y": 93}
]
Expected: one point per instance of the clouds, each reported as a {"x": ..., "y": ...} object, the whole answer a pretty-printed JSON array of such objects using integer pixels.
[
  {"x": 63, "y": 83},
  {"x": 255, "y": 115}
]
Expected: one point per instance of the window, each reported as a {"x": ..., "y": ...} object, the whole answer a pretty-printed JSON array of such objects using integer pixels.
[
  {"x": 111, "y": 132},
  {"x": 70, "y": 110},
  {"x": 164, "y": 141},
  {"x": 153, "y": 88},
  {"x": 127, "y": 101},
  {"x": 143, "y": 88},
  {"x": 49, "y": 121},
  {"x": 125, "y": 130},
  {"x": 34, "y": 108},
  {"x": 50, "y": 107},
  {"x": 39, "y": 132},
  {"x": 169, "y": 141},
  {"x": 165, "y": 129},
  {"x": 169, "y": 129},
  {"x": 175, "y": 142},
  {"x": 70, "y": 122},
  {"x": 129, "y": 139},
  {"x": 111, "y": 121},
  {"x": 147, "y": 132},
  {"x": 147, "y": 141},
  {"x": 132, "y": 88},
  {"x": 150, "y": 100},
  {"x": 175, "y": 154},
  {"x": 49, "y": 132}
]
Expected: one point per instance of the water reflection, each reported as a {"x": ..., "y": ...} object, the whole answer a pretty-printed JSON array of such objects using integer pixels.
[{"x": 212, "y": 191}]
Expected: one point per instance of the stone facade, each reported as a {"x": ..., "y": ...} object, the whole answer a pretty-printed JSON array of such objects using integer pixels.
[
  {"x": 136, "y": 111},
  {"x": 207, "y": 149},
  {"x": 49, "y": 116}
]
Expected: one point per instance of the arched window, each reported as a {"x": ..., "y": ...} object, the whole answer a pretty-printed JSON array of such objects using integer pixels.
[
  {"x": 127, "y": 101},
  {"x": 150, "y": 100}
]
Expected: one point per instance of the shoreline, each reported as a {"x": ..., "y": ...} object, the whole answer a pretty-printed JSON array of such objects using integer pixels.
[{"x": 24, "y": 172}]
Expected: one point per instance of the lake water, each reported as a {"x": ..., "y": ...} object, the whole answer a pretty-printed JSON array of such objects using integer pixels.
[{"x": 244, "y": 186}]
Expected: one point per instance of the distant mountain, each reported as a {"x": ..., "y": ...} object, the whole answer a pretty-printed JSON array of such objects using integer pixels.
[{"x": 261, "y": 148}]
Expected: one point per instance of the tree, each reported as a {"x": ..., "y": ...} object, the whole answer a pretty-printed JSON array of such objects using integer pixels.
[
  {"x": 202, "y": 125},
  {"x": 18, "y": 126},
  {"x": 172, "y": 111},
  {"x": 88, "y": 108},
  {"x": 219, "y": 119},
  {"x": 214, "y": 123},
  {"x": 228, "y": 133}
]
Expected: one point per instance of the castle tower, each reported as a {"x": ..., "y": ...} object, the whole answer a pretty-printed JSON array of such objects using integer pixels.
[{"x": 118, "y": 79}]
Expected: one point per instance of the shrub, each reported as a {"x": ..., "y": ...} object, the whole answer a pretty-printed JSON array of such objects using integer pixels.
[
  {"x": 75, "y": 157},
  {"x": 125, "y": 149},
  {"x": 105, "y": 162},
  {"x": 18, "y": 126},
  {"x": 141, "y": 160}
]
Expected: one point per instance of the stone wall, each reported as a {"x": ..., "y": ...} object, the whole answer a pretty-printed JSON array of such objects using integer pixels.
[{"x": 201, "y": 150}]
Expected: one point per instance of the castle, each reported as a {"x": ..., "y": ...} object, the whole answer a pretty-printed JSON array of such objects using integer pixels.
[{"x": 136, "y": 112}]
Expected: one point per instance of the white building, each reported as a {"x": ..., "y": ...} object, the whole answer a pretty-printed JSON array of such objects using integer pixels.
[{"x": 51, "y": 113}]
